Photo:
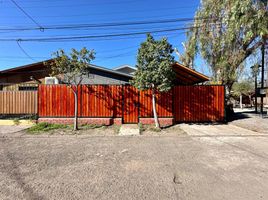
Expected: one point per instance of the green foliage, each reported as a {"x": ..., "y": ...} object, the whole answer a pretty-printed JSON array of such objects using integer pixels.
[
  {"x": 155, "y": 129},
  {"x": 116, "y": 129},
  {"x": 245, "y": 87},
  {"x": 44, "y": 127},
  {"x": 141, "y": 127},
  {"x": 190, "y": 49},
  {"x": 154, "y": 65},
  {"x": 72, "y": 66},
  {"x": 226, "y": 33},
  {"x": 16, "y": 121}
]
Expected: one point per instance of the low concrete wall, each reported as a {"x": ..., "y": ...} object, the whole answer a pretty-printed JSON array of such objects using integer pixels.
[
  {"x": 105, "y": 121},
  {"x": 162, "y": 121},
  {"x": 99, "y": 121},
  {"x": 8, "y": 122}
]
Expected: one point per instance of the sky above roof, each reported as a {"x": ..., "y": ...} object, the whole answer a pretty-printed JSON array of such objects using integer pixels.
[{"x": 81, "y": 18}]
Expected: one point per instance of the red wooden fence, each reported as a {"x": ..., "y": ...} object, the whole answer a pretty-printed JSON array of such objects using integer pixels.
[
  {"x": 198, "y": 103},
  {"x": 184, "y": 103},
  {"x": 93, "y": 101}
]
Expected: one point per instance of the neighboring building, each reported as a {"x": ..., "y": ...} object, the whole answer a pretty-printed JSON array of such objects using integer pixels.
[
  {"x": 28, "y": 77},
  {"x": 127, "y": 69}
]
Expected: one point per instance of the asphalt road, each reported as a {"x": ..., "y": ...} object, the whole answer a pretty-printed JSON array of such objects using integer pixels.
[{"x": 211, "y": 162}]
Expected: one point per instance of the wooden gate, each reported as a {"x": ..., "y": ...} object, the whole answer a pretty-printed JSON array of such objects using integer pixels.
[{"x": 131, "y": 105}]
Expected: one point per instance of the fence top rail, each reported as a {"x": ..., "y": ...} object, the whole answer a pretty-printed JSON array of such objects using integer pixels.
[
  {"x": 18, "y": 91},
  {"x": 61, "y": 84},
  {"x": 7, "y": 84},
  {"x": 198, "y": 85}
]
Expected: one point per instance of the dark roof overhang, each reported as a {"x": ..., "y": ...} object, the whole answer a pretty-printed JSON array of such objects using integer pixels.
[{"x": 187, "y": 76}]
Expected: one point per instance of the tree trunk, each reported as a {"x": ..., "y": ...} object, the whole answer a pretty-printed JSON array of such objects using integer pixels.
[
  {"x": 75, "y": 91},
  {"x": 241, "y": 103},
  {"x": 154, "y": 110}
]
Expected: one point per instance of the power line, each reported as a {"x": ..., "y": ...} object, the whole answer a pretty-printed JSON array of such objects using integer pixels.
[
  {"x": 99, "y": 25},
  {"x": 115, "y": 38},
  {"x": 96, "y": 31},
  {"x": 98, "y": 53},
  {"x": 31, "y": 4},
  {"x": 29, "y": 16},
  {"x": 101, "y": 14},
  {"x": 18, "y": 43},
  {"x": 61, "y": 5},
  {"x": 49, "y": 39},
  {"x": 101, "y": 57}
]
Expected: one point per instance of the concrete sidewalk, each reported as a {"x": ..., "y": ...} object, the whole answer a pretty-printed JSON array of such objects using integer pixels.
[
  {"x": 129, "y": 130},
  {"x": 217, "y": 130}
]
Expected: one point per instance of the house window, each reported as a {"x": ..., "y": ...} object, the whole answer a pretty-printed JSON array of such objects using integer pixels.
[{"x": 28, "y": 88}]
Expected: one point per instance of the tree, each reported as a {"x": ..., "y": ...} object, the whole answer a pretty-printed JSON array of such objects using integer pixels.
[
  {"x": 225, "y": 33},
  {"x": 72, "y": 67},
  {"x": 154, "y": 68},
  {"x": 244, "y": 87}
]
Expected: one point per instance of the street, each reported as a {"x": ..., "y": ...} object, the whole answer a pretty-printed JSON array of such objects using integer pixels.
[{"x": 209, "y": 162}]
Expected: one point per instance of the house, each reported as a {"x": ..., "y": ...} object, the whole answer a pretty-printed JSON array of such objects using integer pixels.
[
  {"x": 28, "y": 77},
  {"x": 184, "y": 75},
  {"x": 127, "y": 69},
  {"x": 117, "y": 102},
  {"x": 188, "y": 76}
]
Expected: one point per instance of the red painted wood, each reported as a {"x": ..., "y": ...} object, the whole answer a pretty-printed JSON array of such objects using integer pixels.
[
  {"x": 130, "y": 108},
  {"x": 190, "y": 103},
  {"x": 198, "y": 103}
]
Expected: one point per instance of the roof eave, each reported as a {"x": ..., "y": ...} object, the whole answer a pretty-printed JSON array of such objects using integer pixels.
[
  {"x": 202, "y": 77},
  {"x": 91, "y": 65}
]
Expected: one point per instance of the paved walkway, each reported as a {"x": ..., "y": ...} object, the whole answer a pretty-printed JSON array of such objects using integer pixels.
[{"x": 129, "y": 129}]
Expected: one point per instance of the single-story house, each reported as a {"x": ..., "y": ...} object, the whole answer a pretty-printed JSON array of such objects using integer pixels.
[
  {"x": 28, "y": 77},
  {"x": 116, "y": 103},
  {"x": 126, "y": 69}
]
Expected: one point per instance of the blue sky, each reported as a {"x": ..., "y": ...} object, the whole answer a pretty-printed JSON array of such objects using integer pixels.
[{"x": 110, "y": 52}]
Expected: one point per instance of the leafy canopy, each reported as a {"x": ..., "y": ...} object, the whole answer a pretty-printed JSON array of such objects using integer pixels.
[
  {"x": 245, "y": 87},
  {"x": 226, "y": 33},
  {"x": 154, "y": 65},
  {"x": 72, "y": 66}
]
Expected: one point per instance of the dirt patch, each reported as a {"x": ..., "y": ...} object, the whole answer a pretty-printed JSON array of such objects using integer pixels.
[
  {"x": 146, "y": 130},
  {"x": 84, "y": 130}
]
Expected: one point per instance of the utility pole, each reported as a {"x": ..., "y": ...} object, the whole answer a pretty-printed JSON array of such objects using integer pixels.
[
  {"x": 255, "y": 71},
  {"x": 256, "y": 91},
  {"x": 262, "y": 72}
]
